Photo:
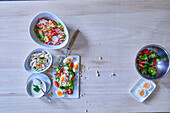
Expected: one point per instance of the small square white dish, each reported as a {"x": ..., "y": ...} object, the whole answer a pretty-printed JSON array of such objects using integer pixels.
[
  {"x": 139, "y": 86},
  {"x": 76, "y": 84}
]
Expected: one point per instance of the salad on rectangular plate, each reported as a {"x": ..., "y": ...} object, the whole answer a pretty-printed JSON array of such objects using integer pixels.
[{"x": 66, "y": 77}]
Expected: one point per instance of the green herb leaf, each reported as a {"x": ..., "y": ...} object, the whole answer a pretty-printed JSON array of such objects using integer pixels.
[
  {"x": 36, "y": 88},
  {"x": 152, "y": 71}
]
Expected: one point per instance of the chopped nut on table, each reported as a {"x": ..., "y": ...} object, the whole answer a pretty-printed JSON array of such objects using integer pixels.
[
  {"x": 86, "y": 111},
  {"x": 100, "y": 58},
  {"x": 80, "y": 72},
  {"x": 97, "y": 73},
  {"x": 61, "y": 52},
  {"x": 113, "y": 74},
  {"x": 51, "y": 94}
]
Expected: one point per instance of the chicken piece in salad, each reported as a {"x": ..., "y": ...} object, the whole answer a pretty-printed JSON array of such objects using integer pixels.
[
  {"x": 65, "y": 77},
  {"x": 50, "y": 32},
  {"x": 39, "y": 61}
]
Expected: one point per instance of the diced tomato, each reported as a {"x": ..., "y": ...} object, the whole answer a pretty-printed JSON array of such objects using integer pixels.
[
  {"x": 60, "y": 41},
  {"x": 57, "y": 30},
  {"x": 55, "y": 34},
  {"x": 142, "y": 62},
  {"x": 137, "y": 59},
  {"x": 50, "y": 39},
  {"x": 140, "y": 65},
  {"x": 149, "y": 53},
  {"x": 154, "y": 67},
  {"x": 56, "y": 84},
  {"x": 71, "y": 64},
  {"x": 69, "y": 91},
  {"x": 144, "y": 51},
  {"x": 154, "y": 61},
  {"x": 42, "y": 18},
  {"x": 60, "y": 72},
  {"x": 57, "y": 75},
  {"x": 72, "y": 79}
]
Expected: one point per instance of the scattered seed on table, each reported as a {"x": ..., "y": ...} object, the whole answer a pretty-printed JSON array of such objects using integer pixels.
[
  {"x": 80, "y": 72},
  {"x": 61, "y": 52},
  {"x": 97, "y": 73},
  {"x": 113, "y": 74},
  {"x": 86, "y": 111},
  {"x": 100, "y": 58}
]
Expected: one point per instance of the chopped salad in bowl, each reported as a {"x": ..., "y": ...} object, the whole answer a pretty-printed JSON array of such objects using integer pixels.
[
  {"x": 48, "y": 30},
  {"x": 152, "y": 62},
  {"x": 39, "y": 60}
]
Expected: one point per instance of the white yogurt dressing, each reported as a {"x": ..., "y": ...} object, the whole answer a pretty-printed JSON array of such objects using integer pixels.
[{"x": 39, "y": 83}]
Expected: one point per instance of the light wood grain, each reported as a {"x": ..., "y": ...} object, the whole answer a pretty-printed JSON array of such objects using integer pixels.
[{"x": 115, "y": 30}]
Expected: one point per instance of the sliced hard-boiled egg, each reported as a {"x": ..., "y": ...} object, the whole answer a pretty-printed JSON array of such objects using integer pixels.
[
  {"x": 142, "y": 92},
  {"x": 60, "y": 93},
  {"x": 62, "y": 79},
  {"x": 147, "y": 85},
  {"x": 76, "y": 66},
  {"x": 66, "y": 69},
  {"x": 67, "y": 60}
]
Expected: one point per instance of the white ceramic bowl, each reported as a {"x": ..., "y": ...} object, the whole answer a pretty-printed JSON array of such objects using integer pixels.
[
  {"x": 50, "y": 16},
  {"x": 27, "y": 63},
  {"x": 29, "y": 89}
]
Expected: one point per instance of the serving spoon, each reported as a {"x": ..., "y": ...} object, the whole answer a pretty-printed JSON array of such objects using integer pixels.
[{"x": 75, "y": 34}]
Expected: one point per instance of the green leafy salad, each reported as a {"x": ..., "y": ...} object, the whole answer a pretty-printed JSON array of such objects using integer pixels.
[{"x": 146, "y": 62}]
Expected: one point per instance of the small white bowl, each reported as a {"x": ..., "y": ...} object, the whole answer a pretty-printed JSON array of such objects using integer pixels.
[
  {"x": 50, "y": 16},
  {"x": 27, "y": 63},
  {"x": 29, "y": 89}
]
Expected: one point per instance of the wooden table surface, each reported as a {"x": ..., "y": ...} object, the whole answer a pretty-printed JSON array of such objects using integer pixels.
[{"x": 114, "y": 30}]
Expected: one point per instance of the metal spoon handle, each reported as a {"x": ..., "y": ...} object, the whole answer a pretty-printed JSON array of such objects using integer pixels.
[
  {"x": 72, "y": 41},
  {"x": 48, "y": 98}
]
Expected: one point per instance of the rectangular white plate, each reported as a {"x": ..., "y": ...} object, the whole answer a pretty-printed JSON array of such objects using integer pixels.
[
  {"x": 138, "y": 85},
  {"x": 76, "y": 84}
]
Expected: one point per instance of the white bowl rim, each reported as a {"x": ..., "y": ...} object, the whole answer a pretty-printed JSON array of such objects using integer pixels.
[{"x": 51, "y": 46}]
